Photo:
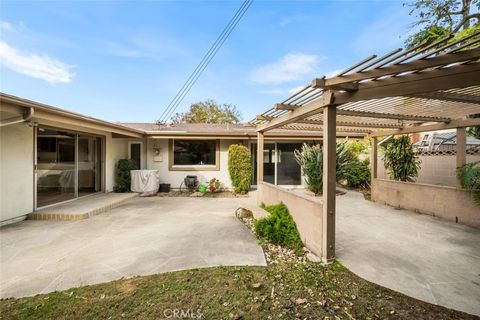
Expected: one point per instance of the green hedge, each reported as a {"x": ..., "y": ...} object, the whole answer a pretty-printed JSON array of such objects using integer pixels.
[
  {"x": 122, "y": 172},
  {"x": 240, "y": 168},
  {"x": 279, "y": 228},
  {"x": 358, "y": 174}
]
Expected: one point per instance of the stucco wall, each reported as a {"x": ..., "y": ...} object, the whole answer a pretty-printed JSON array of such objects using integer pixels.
[
  {"x": 305, "y": 210},
  {"x": 434, "y": 169},
  {"x": 441, "y": 201},
  {"x": 175, "y": 178},
  {"x": 16, "y": 171},
  {"x": 115, "y": 150}
]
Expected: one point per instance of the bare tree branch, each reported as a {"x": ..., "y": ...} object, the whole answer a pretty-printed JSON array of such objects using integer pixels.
[{"x": 467, "y": 18}]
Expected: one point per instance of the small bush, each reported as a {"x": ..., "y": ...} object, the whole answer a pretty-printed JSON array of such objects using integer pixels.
[
  {"x": 122, "y": 172},
  {"x": 240, "y": 168},
  {"x": 358, "y": 174},
  {"x": 279, "y": 228},
  {"x": 469, "y": 175}
]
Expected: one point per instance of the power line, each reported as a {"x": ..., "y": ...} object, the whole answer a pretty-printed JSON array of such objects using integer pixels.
[
  {"x": 167, "y": 113},
  {"x": 205, "y": 61}
]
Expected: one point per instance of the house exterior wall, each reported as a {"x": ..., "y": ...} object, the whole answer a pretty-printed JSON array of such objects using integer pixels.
[
  {"x": 305, "y": 210},
  {"x": 115, "y": 149},
  {"x": 17, "y": 163},
  {"x": 445, "y": 202},
  {"x": 16, "y": 171},
  {"x": 175, "y": 178}
]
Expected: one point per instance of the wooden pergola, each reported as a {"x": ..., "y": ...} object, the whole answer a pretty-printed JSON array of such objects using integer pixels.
[{"x": 425, "y": 88}]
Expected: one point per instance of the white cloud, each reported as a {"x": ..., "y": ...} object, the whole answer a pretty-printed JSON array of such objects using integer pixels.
[
  {"x": 290, "y": 67},
  {"x": 5, "y": 26},
  {"x": 291, "y": 19},
  {"x": 35, "y": 65}
]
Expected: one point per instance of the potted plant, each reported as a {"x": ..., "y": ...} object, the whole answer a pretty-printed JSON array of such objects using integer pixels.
[{"x": 213, "y": 185}]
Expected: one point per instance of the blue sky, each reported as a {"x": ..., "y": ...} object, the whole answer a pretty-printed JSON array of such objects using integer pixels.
[{"x": 125, "y": 61}]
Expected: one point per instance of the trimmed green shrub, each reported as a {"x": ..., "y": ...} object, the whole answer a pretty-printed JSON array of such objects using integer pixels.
[
  {"x": 122, "y": 172},
  {"x": 240, "y": 168},
  {"x": 279, "y": 228},
  {"x": 400, "y": 159},
  {"x": 469, "y": 175},
  {"x": 358, "y": 174}
]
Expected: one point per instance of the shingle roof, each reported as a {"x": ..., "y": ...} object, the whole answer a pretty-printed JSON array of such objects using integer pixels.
[{"x": 220, "y": 129}]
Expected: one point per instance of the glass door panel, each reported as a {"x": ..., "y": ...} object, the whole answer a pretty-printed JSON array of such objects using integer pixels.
[
  {"x": 89, "y": 164},
  {"x": 55, "y": 166},
  {"x": 268, "y": 162},
  {"x": 288, "y": 170}
]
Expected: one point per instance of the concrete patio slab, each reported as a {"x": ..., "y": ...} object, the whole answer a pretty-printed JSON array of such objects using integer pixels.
[
  {"x": 140, "y": 237},
  {"x": 82, "y": 208},
  {"x": 419, "y": 255}
]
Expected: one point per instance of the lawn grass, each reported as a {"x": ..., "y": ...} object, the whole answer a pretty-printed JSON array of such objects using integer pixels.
[{"x": 284, "y": 291}]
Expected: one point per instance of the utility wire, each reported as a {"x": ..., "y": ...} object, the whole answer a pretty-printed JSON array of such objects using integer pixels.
[
  {"x": 167, "y": 113},
  {"x": 205, "y": 61}
]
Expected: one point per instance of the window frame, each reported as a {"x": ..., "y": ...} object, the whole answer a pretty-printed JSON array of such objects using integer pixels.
[
  {"x": 199, "y": 167},
  {"x": 130, "y": 143}
]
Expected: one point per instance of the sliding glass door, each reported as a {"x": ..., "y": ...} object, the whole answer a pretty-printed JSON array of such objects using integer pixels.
[
  {"x": 89, "y": 165},
  {"x": 288, "y": 170},
  {"x": 279, "y": 164},
  {"x": 68, "y": 165}
]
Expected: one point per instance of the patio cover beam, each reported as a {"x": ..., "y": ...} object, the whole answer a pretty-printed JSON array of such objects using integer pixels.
[
  {"x": 433, "y": 127},
  {"x": 396, "y": 116},
  {"x": 300, "y": 113},
  {"x": 284, "y": 106},
  {"x": 415, "y": 65},
  {"x": 433, "y": 80},
  {"x": 414, "y": 83},
  {"x": 354, "y": 124}
]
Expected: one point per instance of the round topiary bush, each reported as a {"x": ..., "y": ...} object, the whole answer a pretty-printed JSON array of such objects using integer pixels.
[{"x": 240, "y": 168}]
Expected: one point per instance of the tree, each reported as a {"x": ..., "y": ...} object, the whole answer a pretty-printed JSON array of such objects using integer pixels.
[
  {"x": 438, "y": 18},
  {"x": 209, "y": 111}
]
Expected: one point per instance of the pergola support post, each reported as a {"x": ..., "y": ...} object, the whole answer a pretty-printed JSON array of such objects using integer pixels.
[
  {"x": 329, "y": 183},
  {"x": 374, "y": 160},
  {"x": 260, "y": 139},
  {"x": 461, "y": 152}
]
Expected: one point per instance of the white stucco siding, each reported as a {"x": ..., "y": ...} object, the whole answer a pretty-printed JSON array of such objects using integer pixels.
[
  {"x": 175, "y": 178},
  {"x": 115, "y": 149},
  {"x": 16, "y": 171}
]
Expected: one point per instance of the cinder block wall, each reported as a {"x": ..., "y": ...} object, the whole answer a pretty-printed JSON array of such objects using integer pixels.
[
  {"x": 445, "y": 202},
  {"x": 306, "y": 211},
  {"x": 434, "y": 169}
]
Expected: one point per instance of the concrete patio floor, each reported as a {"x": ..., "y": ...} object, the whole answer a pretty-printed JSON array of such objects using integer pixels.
[
  {"x": 419, "y": 255},
  {"x": 140, "y": 237}
]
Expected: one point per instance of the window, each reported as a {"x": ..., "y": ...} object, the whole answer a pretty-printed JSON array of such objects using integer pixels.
[
  {"x": 135, "y": 154},
  {"x": 194, "y": 154}
]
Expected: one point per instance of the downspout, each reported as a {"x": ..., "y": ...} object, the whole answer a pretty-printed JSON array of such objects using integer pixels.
[{"x": 25, "y": 117}]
